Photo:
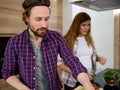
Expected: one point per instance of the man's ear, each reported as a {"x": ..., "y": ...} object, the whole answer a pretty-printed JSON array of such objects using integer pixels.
[{"x": 26, "y": 18}]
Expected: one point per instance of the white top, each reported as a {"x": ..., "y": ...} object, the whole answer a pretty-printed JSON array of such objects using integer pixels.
[{"x": 84, "y": 53}]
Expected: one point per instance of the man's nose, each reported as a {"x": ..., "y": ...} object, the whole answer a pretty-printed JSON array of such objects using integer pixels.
[{"x": 44, "y": 24}]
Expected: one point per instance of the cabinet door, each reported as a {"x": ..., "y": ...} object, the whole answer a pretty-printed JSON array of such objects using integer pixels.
[{"x": 11, "y": 16}]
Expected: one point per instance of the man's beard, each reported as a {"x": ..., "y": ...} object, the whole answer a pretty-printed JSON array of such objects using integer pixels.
[{"x": 36, "y": 33}]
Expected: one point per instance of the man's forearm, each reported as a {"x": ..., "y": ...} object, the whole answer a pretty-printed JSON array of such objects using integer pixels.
[
  {"x": 15, "y": 82},
  {"x": 84, "y": 80}
]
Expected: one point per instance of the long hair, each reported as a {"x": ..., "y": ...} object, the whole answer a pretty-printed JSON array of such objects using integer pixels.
[{"x": 74, "y": 30}]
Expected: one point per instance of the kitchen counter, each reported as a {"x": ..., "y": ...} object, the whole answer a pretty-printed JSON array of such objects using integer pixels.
[
  {"x": 99, "y": 80},
  {"x": 5, "y": 86}
]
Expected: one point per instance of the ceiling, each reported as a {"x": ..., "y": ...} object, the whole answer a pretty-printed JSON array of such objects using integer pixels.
[{"x": 97, "y": 5}]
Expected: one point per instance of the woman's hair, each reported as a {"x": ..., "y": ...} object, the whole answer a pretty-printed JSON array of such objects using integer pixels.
[
  {"x": 74, "y": 30},
  {"x": 29, "y": 4}
]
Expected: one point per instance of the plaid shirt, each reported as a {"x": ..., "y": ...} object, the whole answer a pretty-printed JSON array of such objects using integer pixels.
[{"x": 19, "y": 55}]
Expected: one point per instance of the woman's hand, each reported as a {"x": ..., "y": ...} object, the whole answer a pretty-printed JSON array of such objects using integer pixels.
[{"x": 102, "y": 60}]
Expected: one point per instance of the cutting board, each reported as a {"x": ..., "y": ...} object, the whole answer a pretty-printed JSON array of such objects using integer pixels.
[{"x": 81, "y": 88}]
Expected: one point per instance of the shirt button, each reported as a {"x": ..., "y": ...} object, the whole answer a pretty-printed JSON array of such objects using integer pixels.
[
  {"x": 33, "y": 67},
  {"x": 33, "y": 56},
  {"x": 34, "y": 78}
]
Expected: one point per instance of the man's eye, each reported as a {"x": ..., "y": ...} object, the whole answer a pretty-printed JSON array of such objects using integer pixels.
[
  {"x": 38, "y": 19},
  {"x": 47, "y": 19}
]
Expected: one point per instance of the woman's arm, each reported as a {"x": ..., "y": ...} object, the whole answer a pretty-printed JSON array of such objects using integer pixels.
[{"x": 65, "y": 68}]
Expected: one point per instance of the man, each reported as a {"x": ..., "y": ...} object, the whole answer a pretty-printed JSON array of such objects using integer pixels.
[{"x": 34, "y": 53}]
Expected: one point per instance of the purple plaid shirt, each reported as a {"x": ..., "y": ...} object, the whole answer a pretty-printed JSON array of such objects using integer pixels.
[{"x": 19, "y": 55}]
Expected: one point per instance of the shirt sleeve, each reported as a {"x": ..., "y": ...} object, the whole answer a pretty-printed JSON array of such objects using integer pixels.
[
  {"x": 9, "y": 65},
  {"x": 68, "y": 58}
]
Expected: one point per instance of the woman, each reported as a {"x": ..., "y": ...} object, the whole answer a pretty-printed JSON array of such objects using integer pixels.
[{"x": 80, "y": 41}]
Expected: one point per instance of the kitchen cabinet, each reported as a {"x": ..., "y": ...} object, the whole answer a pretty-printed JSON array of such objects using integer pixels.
[{"x": 11, "y": 16}]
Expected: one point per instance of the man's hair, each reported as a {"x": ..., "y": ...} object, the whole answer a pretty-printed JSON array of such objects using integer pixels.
[{"x": 29, "y": 4}]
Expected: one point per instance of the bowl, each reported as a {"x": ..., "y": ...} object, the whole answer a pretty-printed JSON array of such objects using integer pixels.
[{"x": 111, "y": 77}]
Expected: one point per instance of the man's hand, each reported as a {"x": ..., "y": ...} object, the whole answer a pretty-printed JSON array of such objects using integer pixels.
[{"x": 84, "y": 80}]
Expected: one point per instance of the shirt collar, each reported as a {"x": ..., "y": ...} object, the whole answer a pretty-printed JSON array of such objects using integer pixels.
[{"x": 27, "y": 35}]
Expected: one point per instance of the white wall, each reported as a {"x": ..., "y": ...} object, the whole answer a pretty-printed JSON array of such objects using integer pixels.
[
  {"x": 102, "y": 30},
  {"x": 67, "y": 15}
]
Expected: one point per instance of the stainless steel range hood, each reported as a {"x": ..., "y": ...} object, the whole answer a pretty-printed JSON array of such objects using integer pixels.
[{"x": 97, "y": 5}]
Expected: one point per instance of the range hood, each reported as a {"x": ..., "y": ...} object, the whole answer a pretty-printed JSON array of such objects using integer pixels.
[{"x": 97, "y": 5}]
